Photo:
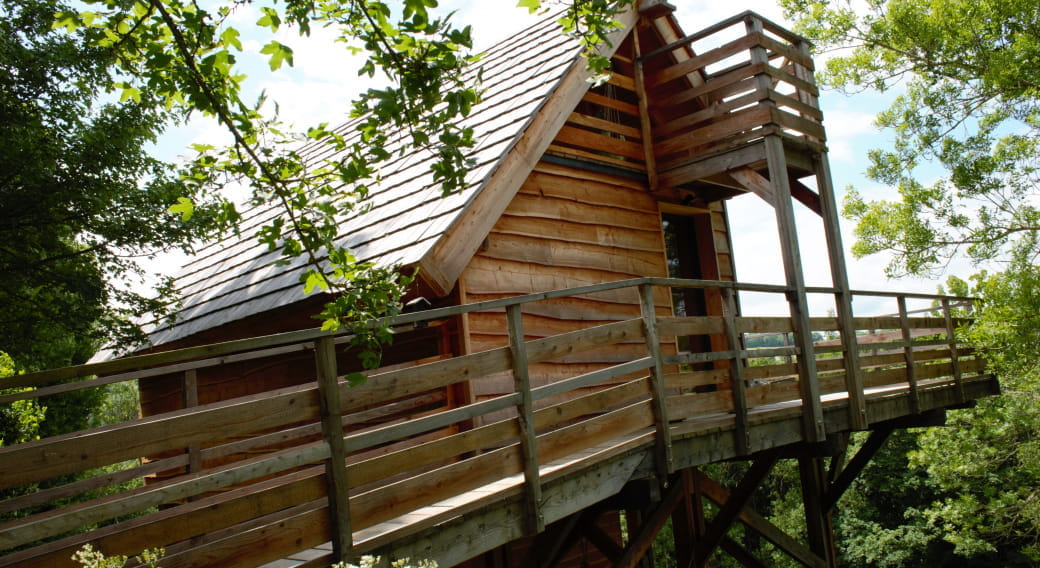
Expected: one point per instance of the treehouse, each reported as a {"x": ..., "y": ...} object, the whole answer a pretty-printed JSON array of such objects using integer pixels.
[{"x": 580, "y": 351}]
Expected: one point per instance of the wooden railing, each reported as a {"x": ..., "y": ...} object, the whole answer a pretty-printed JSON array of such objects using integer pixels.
[
  {"x": 752, "y": 85},
  {"x": 260, "y": 477}
]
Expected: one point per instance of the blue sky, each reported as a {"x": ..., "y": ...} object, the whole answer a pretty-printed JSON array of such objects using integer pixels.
[{"x": 320, "y": 86}]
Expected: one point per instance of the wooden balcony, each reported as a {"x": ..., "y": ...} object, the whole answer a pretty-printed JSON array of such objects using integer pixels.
[
  {"x": 302, "y": 475},
  {"x": 711, "y": 111}
]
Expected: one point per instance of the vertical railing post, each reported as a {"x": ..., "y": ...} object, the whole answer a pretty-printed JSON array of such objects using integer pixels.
[
  {"x": 525, "y": 416},
  {"x": 954, "y": 353},
  {"x": 759, "y": 56},
  {"x": 332, "y": 432},
  {"x": 779, "y": 182},
  {"x": 665, "y": 465},
  {"x": 736, "y": 370},
  {"x": 908, "y": 356},
  {"x": 646, "y": 132},
  {"x": 191, "y": 400}
]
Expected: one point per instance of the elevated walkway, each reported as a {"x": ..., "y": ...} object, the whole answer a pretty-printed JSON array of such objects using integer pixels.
[{"x": 266, "y": 479}]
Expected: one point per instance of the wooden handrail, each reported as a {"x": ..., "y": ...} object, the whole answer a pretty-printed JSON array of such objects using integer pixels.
[{"x": 633, "y": 397}]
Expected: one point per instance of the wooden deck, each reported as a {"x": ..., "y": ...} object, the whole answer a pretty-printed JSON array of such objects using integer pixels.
[{"x": 263, "y": 479}]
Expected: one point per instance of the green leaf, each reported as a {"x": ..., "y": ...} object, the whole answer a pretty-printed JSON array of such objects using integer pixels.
[
  {"x": 314, "y": 280},
  {"x": 230, "y": 38},
  {"x": 184, "y": 206},
  {"x": 531, "y": 5},
  {"x": 279, "y": 52},
  {"x": 130, "y": 93},
  {"x": 270, "y": 19}
]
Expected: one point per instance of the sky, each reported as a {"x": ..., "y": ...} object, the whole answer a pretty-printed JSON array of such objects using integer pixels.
[{"x": 323, "y": 81}]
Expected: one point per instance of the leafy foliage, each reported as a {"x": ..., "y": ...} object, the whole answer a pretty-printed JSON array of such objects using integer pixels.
[
  {"x": 80, "y": 200},
  {"x": 968, "y": 75}
]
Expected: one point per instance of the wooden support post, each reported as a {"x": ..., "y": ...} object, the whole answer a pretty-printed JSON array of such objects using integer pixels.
[
  {"x": 842, "y": 296},
  {"x": 332, "y": 432},
  {"x": 685, "y": 521},
  {"x": 817, "y": 516},
  {"x": 808, "y": 381},
  {"x": 908, "y": 356},
  {"x": 736, "y": 370},
  {"x": 638, "y": 546},
  {"x": 524, "y": 411},
  {"x": 552, "y": 545},
  {"x": 646, "y": 130},
  {"x": 838, "y": 459},
  {"x": 955, "y": 362},
  {"x": 653, "y": 345},
  {"x": 866, "y": 452},
  {"x": 603, "y": 542},
  {"x": 191, "y": 399},
  {"x": 735, "y": 504}
]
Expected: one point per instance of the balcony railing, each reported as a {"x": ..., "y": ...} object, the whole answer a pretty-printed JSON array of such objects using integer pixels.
[{"x": 261, "y": 477}]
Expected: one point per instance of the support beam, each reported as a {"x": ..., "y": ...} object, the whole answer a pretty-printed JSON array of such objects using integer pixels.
[
  {"x": 600, "y": 539},
  {"x": 755, "y": 183},
  {"x": 638, "y": 546},
  {"x": 687, "y": 519},
  {"x": 908, "y": 356},
  {"x": 761, "y": 525},
  {"x": 734, "y": 505},
  {"x": 741, "y": 554},
  {"x": 806, "y": 197},
  {"x": 855, "y": 466},
  {"x": 645, "y": 128},
  {"x": 736, "y": 370},
  {"x": 653, "y": 345},
  {"x": 818, "y": 521},
  {"x": 553, "y": 544}
]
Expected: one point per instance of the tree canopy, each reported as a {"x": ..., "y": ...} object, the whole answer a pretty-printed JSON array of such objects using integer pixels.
[{"x": 80, "y": 200}]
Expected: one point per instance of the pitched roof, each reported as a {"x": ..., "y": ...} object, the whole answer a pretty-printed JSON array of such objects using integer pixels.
[{"x": 531, "y": 80}]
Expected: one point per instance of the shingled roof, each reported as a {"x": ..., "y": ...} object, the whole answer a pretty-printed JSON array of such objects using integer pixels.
[{"x": 532, "y": 81}]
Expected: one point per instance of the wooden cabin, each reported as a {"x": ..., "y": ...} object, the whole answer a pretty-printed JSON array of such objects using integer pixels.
[
  {"x": 567, "y": 191},
  {"x": 582, "y": 353}
]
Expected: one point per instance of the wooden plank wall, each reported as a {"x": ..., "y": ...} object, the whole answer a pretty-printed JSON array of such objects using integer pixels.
[{"x": 566, "y": 227}]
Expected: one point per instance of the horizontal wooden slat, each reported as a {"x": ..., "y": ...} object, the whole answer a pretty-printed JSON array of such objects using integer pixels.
[
  {"x": 716, "y": 110},
  {"x": 716, "y": 85},
  {"x": 79, "y": 451},
  {"x": 585, "y": 155},
  {"x": 590, "y": 140},
  {"x": 616, "y": 237},
  {"x": 701, "y": 61},
  {"x": 607, "y": 125},
  {"x": 786, "y": 77},
  {"x": 785, "y": 50},
  {"x": 799, "y": 124},
  {"x": 597, "y": 99},
  {"x": 622, "y": 80},
  {"x": 692, "y": 405},
  {"x": 733, "y": 123}
]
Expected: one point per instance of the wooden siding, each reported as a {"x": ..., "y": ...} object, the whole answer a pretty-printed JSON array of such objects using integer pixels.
[{"x": 566, "y": 227}]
